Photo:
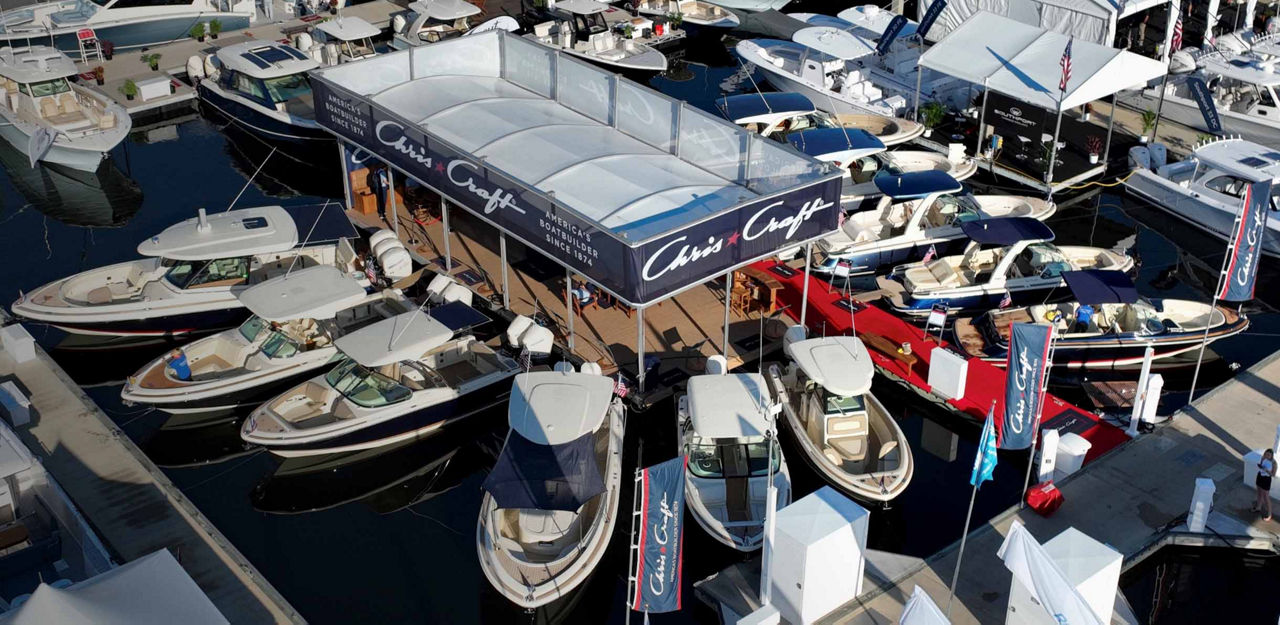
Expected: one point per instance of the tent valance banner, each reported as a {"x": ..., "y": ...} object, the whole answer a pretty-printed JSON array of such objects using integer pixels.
[
  {"x": 658, "y": 565},
  {"x": 1246, "y": 249},
  {"x": 1034, "y": 569},
  {"x": 1204, "y": 100},
  {"x": 1028, "y": 355},
  {"x": 1013, "y": 118}
]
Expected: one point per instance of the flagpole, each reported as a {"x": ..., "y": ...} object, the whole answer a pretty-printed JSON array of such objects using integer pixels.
[
  {"x": 1213, "y": 305},
  {"x": 975, "y": 478},
  {"x": 1164, "y": 83},
  {"x": 955, "y": 576},
  {"x": 1035, "y": 426}
]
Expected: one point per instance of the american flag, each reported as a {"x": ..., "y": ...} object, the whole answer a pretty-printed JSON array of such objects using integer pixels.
[
  {"x": 1007, "y": 301},
  {"x": 1175, "y": 43},
  {"x": 931, "y": 254},
  {"x": 1066, "y": 66},
  {"x": 620, "y": 387}
]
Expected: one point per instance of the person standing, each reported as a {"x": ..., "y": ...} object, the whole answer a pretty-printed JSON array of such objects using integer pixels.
[
  {"x": 379, "y": 182},
  {"x": 1266, "y": 471}
]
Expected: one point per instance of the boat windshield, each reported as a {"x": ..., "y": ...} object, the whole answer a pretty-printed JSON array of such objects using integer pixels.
[
  {"x": 366, "y": 388},
  {"x": 1145, "y": 318},
  {"x": 953, "y": 209},
  {"x": 279, "y": 346},
  {"x": 285, "y": 88},
  {"x": 45, "y": 87},
  {"x": 715, "y": 460},
  {"x": 839, "y": 405},
  {"x": 188, "y": 274},
  {"x": 253, "y": 327},
  {"x": 1042, "y": 260}
]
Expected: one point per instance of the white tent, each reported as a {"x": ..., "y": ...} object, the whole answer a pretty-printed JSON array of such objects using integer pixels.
[
  {"x": 921, "y": 610},
  {"x": 817, "y": 557}
]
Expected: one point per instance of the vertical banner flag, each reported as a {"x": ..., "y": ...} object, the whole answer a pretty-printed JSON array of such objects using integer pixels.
[
  {"x": 1028, "y": 354},
  {"x": 1247, "y": 242},
  {"x": 1204, "y": 100},
  {"x": 930, "y": 16},
  {"x": 984, "y": 463},
  {"x": 657, "y": 574},
  {"x": 1032, "y": 566},
  {"x": 890, "y": 33}
]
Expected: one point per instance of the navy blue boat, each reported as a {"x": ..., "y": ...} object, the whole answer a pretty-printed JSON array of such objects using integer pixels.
[{"x": 262, "y": 86}]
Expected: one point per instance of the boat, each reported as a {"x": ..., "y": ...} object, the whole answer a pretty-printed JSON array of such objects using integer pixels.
[
  {"x": 604, "y": 35},
  {"x": 192, "y": 272},
  {"x": 1007, "y": 262},
  {"x": 1207, "y": 188},
  {"x": 1121, "y": 326},
  {"x": 919, "y": 213},
  {"x": 295, "y": 320},
  {"x": 52, "y": 119},
  {"x": 429, "y": 21},
  {"x": 550, "y": 503},
  {"x": 263, "y": 87},
  {"x": 126, "y": 24},
  {"x": 775, "y": 115},
  {"x": 695, "y": 15},
  {"x": 863, "y": 158},
  {"x": 398, "y": 379},
  {"x": 753, "y": 6},
  {"x": 343, "y": 39},
  {"x": 844, "y": 432},
  {"x": 725, "y": 424}
]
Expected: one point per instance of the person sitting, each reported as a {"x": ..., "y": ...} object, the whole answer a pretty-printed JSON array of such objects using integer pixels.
[
  {"x": 1084, "y": 315},
  {"x": 582, "y": 296}
]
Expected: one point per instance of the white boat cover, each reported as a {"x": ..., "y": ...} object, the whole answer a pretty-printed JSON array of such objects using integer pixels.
[
  {"x": 1024, "y": 62},
  {"x": 839, "y": 364},
  {"x": 35, "y": 64},
  {"x": 152, "y": 590},
  {"x": 732, "y": 406},
  {"x": 555, "y": 407},
  {"x": 582, "y": 7},
  {"x": 444, "y": 10},
  {"x": 243, "y": 232},
  {"x": 346, "y": 28},
  {"x": 1087, "y": 20},
  {"x": 835, "y": 42},
  {"x": 318, "y": 292},
  {"x": 406, "y": 336}
]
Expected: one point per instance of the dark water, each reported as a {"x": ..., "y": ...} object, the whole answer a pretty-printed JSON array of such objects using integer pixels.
[
  {"x": 390, "y": 538},
  {"x": 1190, "y": 585}
]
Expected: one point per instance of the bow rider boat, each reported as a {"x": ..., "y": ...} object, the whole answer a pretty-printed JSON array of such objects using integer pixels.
[
  {"x": 1021, "y": 268},
  {"x": 695, "y": 15},
  {"x": 295, "y": 320},
  {"x": 844, "y": 431},
  {"x": 862, "y": 157},
  {"x": 429, "y": 21},
  {"x": 725, "y": 425},
  {"x": 1207, "y": 188},
  {"x": 918, "y": 212},
  {"x": 52, "y": 119},
  {"x": 607, "y": 36},
  {"x": 263, "y": 87},
  {"x": 193, "y": 271},
  {"x": 775, "y": 115},
  {"x": 399, "y": 379},
  {"x": 1106, "y": 325},
  {"x": 127, "y": 24},
  {"x": 551, "y": 501}
]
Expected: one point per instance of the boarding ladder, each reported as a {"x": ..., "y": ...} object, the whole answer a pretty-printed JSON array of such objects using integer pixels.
[{"x": 90, "y": 49}]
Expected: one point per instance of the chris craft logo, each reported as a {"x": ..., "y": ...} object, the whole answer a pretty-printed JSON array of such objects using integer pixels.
[
  {"x": 458, "y": 171},
  {"x": 1015, "y": 111},
  {"x": 676, "y": 253},
  {"x": 1252, "y": 239},
  {"x": 661, "y": 535},
  {"x": 1020, "y": 380}
]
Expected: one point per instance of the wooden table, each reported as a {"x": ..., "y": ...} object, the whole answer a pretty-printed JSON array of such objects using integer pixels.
[
  {"x": 888, "y": 348},
  {"x": 768, "y": 282}
]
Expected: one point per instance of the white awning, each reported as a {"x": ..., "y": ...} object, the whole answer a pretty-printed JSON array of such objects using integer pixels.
[
  {"x": 345, "y": 28},
  {"x": 318, "y": 292},
  {"x": 839, "y": 364},
  {"x": 444, "y": 10},
  {"x": 729, "y": 406},
  {"x": 1089, "y": 20},
  {"x": 554, "y": 407},
  {"x": 1024, "y": 62},
  {"x": 406, "y": 336},
  {"x": 242, "y": 232}
]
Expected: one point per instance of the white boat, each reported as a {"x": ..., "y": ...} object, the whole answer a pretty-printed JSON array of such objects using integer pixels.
[
  {"x": 193, "y": 271},
  {"x": 400, "y": 379},
  {"x": 52, "y": 119},
  {"x": 343, "y": 39},
  {"x": 544, "y": 525},
  {"x": 1206, "y": 189},
  {"x": 776, "y": 114},
  {"x": 918, "y": 212},
  {"x": 263, "y": 87},
  {"x": 429, "y": 21},
  {"x": 844, "y": 431},
  {"x": 726, "y": 426},
  {"x": 295, "y": 320},
  {"x": 692, "y": 12},
  {"x": 753, "y": 6},
  {"x": 863, "y": 158},
  {"x": 598, "y": 33},
  {"x": 127, "y": 24}
]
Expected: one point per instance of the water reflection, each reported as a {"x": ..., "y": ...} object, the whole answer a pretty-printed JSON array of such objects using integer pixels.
[{"x": 103, "y": 199}]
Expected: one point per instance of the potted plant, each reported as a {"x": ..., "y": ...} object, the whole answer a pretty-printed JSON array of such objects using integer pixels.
[
  {"x": 333, "y": 7},
  {"x": 215, "y": 27},
  {"x": 129, "y": 89},
  {"x": 99, "y": 74},
  {"x": 675, "y": 19},
  {"x": 1087, "y": 112},
  {"x": 197, "y": 32},
  {"x": 931, "y": 115},
  {"x": 628, "y": 31},
  {"x": 108, "y": 50},
  {"x": 152, "y": 59},
  {"x": 1094, "y": 145},
  {"x": 1148, "y": 122}
]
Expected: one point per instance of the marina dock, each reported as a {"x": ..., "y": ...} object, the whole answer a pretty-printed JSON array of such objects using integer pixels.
[{"x": 134, "y": 507}]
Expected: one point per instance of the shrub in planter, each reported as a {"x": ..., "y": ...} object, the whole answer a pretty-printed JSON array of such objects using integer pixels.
[
  {"x": 931, "y": 114},
  {"x": 152, "y": 59},
  {"x": 108, "y": 50},
  {"x": 99, "y": 74},
  {"x": 197, "y": 32},
  {"x": 215, "y": 27},
  {"x": 1148, "y": 122},
  {"x": 129, "y": 89}
]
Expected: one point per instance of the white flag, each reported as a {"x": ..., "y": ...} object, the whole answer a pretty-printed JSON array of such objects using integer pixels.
[
  {"x": 1035, "y": 570},
  {"x": 921, "y": 610}
]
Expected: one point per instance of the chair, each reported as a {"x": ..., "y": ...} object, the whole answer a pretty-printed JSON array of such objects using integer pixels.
[
  {"x": 67, "y": 104},
  {"x": 48, "y": 108}
]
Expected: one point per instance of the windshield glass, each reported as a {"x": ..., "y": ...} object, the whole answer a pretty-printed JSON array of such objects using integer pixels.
[
  {"x": 48, "y": 87},
  {"x": 180, "y": 273},
  {"x": 366, "y": 388},
  {"x": 285, "y": 88},
  {"x": 252, "y": 328},
  {"x": 279, "y": 346},
  {"x": 837, "y": 405},
  {"x": 708, "y": 459}
]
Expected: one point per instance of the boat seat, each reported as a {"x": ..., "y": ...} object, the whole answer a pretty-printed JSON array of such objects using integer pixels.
[
  {"x": 545, "y": 528},
  {"x": 854, "y": 424},
  {"x": 886, "y": 449},
  {"x": 853, "y": 448},
  {"x": 543, "y": 30},
  {"x": 67, "y": 104},
  {"x": 78, "y": 14},
  {"x": 100, "y": 295},
  {"x": 942, "y": 271},
  {"x": 48, "y": 108}
]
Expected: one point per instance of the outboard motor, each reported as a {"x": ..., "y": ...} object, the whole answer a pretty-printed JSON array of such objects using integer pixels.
[
  {"x": 1181, "y": 62},
  {"x": 303, "y": 41},
  {"x": 1139, "y": 157},
  {"x": 398, "y": 23},
  {"x": 1159, "y": 155},
  {"x": 195, "y": 68}
]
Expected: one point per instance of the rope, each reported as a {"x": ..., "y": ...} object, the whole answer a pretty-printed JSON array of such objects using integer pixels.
[{"x": 250, "y": 180}]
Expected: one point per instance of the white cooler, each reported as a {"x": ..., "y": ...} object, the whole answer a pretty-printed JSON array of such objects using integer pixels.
[{"x": 1072, "y": 449}]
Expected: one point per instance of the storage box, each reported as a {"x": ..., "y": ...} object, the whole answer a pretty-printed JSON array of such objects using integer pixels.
[
  {"x": 153, "y": 88},
  {"x": 1072, "y": 448}
]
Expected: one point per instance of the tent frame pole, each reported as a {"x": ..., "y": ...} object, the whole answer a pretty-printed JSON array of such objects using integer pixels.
[
  {"x": 640, "y": 349},
  {"x": 568, "y": 305},
  {"x": 444, "y": 219},
  {"x": 1111, "y": 122},
  {"x": 982, "y": 120},
  {"x": 804, "y": 296},
  {"x": 919, "y": 77},
  {"x": 502, "y": 249},
  {"x": 728, "y": 298},
  {"x": 395, "y": 206},
  {"x": 1053, "y": 151}
]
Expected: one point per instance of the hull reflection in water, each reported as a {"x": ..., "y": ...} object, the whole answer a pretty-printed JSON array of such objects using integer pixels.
[
  {"x": 291, "y": 171},
  {"x": 183, "y": 443},
  {"x": 102, "y": 199}
]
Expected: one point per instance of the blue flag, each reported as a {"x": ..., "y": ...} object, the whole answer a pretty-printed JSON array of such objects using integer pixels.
[
  {"x": 930, "y": 16},
  {"x": 1028, "y": 355},
  {"x": 891, "y": 32},
  {"x": 1204, "y": 100},
  {"x": 984, "y": 463},
  {"x": 657, "y": 574},
  {"x": 1246, "y": 244}
]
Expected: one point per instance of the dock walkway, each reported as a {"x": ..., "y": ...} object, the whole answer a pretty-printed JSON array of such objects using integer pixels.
[{"x": 133, "y": 507}]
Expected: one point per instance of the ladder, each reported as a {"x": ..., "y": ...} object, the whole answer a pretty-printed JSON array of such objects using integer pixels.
[{"x": 90, "y": 49}]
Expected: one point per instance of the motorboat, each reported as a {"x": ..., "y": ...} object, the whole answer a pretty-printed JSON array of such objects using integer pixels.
[
  {"x": 753, "y": 6},
  {"x": 429, "y": 21},
  {"x": 51, "y": 118},
  {"x": 263, "y": 87},
  {"x": 343, "y": 39},
  {"x": 726, "y": 426},
  {"x": 551, "y": 501},
  {"x": 918, "y": 214},
  {"x": 863, "y": 158},
  {"x": 1007, "y": 262},
  {"x": 1116, "y": 331},
  {"x": 846, "y": 434},
  {"x": 193, "y": 271},
  {"x": 398, "y": 379},
  {"x": 604, "y": 35},
  {"x": 1207, "y": 188},
  {"x": 775, "y": 115},
  {"x": 693, "y": 14},
  {"x": 127, "y": 24},
  {"x": 295, "y": 320}
]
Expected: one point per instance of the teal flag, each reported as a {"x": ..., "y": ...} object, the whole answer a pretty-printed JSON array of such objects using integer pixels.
[{"x": 984, "y": 463}]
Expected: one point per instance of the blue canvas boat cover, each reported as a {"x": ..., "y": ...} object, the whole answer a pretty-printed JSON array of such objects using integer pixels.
[
  {"x": 318, "y": 224},
  {"x": 457, "y": 316},
  {"x": 1006, "y": 230},
  {"x": 748, "y": 105},
  {"x": 917, "y": 184},
  {"x": 818, "y": 142},
  {"x": 1099, "y": 286},
  {"x": 545, "y": 477}
]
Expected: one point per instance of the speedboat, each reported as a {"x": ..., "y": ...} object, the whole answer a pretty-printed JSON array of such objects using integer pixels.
[
  {"x": 1207, "y": 188},
  {"x": 399, "y": 379},
  {"x": 193, "y": 271},
  {"x": 693, "y": 14},
  {"x": 844, "y": 431},
  {"x": 863, "y": 158},
  {"x": 1021, "y": 268},
  {"x": 726, "y": 427},
  {"x": 429, "y": 21},
  {"x": 342, "y": 40},
  {"x": 918, "y": 213},
  {"x": 52, "y": 119},
  {"x": 127, "y": 24},
  {"x": 263, "y": 87},
  {"x": 1119, "y": 328},
  {"x": 295, "y": 320},
  {"x": 551, "y": 501},
  {"x": 775, "y": 115},
  {"x": 604, "y": 35}
]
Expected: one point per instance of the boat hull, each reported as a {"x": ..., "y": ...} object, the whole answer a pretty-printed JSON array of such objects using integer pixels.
[
  {"x": 167, "y": 325},
  {"x": 1187, "y": 113},
  {"x": 261, "y": 124},
  {"x": 131, "y": 34},
  {"x": 875, "y": 259},
  {"x": 193, "y": 401},
  {"x": 1181, "y": 204}
]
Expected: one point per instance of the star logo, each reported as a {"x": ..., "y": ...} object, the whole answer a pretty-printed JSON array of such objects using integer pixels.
[
  {"x": 733, "y": 238},
  {"x": 440, "y": 168}
]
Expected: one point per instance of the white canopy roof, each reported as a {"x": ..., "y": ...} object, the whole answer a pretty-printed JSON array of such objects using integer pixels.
[
  {"x": 729, "y": 406},
  {"x": 1243, "y": 68},
  {"x": 582, "y": 7},
  {"x": 874, "y": 19},
  {"x": 243, "y": 232},
  {"x": 1023, "y": 62},
  {"x": 347, "y": 28},
  {"x": 444, "y": 10},
  {"x": 1245, "y": 159},
  {"x": 1089, "y": 20},
  {"x": 265, "y": 59},
  {"x": 554, "y": 407},
  {"x": 34, "y": 64},
  {"x": 152, "y": 590},
  {"x": 318, "y": 292},
  {"x": 406, "y": 336},
  {"x": 839, "y": 364},
  {"x": 835, "y": 42}
]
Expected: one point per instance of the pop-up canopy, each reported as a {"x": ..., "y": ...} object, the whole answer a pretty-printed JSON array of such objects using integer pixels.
[
  {"x": 1088, "y": 20},
  {"x": 917, "y": 184},
  {"x": 317, "y": 292},
  {"x": 839, "y": 364},
  {"x": 1006, "y": 230},
  {"x": 1099, "y": 286},
  {"x": 754, "y": 108}
]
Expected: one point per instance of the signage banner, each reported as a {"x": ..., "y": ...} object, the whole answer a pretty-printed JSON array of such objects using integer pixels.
[
  {"x": 930, "y": 16},
  {"x": 1013, "y": 118},
  {"x": 890, "y": 33},
  {"x": 1247, "y": 241},
  {"x": 1028, "y": 355},
  {"x": 1204, "y": 99},
  {"x": 658, "y": 567}
]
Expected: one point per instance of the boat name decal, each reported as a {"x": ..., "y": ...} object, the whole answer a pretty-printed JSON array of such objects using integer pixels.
[{"x": 661, "y": 534}]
